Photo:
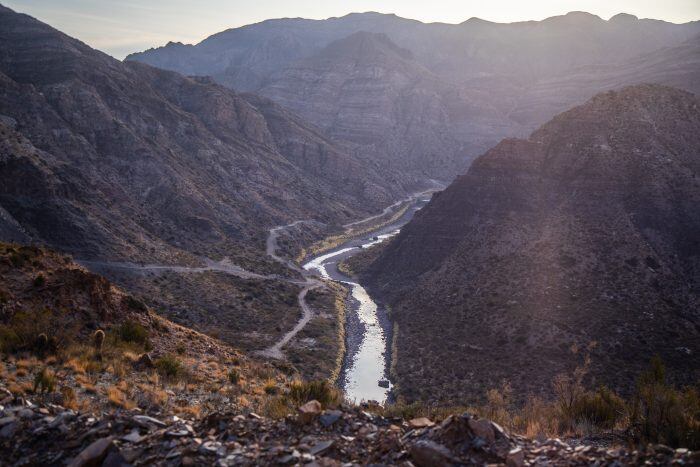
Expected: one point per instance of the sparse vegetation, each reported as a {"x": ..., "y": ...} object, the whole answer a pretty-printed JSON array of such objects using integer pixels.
[
  {"x": 39, "y": 280},
  {"x": 133, "y": 332},
  {"x": 660, "y": 413},
  {"x": 234, "y": 376},
  {"x": 301, "y": 392},
  {"x": 170, "y": 368},
  {"x": 45, "y": 381}
]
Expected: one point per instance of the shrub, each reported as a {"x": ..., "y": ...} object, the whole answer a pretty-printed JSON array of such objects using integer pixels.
[
  {"x": 98, "y": 340},
  {"x": 270, "y": 387},
  {"x": 170, "y": 368},
  {"x": 133, "y": 332},
  {"x": 602, "y": 408},
  {"x": 663, "y": 414},
  {"x": 301, "y": 392},
  {"x": 135, "y": 304},
  {"x": 39, "y": 280},
  {"x": 44, "y": 381},
  {"x": 234, "y": 376}
]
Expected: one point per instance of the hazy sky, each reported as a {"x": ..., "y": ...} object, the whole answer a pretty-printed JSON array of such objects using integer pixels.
[{"x": 119, "y": 27}]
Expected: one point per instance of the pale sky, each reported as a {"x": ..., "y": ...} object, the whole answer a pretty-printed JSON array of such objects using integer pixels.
[{"x": 120, "y": 27}]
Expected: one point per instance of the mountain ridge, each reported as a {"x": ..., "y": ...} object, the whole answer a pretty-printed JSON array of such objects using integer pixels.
[{"x": 584, "y": 233}]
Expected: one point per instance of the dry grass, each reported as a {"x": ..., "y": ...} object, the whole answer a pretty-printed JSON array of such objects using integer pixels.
[{"x": 118, "y": 398}]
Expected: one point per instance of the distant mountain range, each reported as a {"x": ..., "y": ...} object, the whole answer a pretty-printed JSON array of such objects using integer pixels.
[
  {"x": 440, "y": 94},
  {"x": 583, "y": 239},
  {"x": 116, "y": 160}
]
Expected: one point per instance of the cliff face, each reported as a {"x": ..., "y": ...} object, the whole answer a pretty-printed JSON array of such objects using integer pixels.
[
  {"x": 366, "y": 90},
  {"x": 121, "y": 160},
  {"x": 437, "y": 95},
  {"x": 584, "y": 236}
]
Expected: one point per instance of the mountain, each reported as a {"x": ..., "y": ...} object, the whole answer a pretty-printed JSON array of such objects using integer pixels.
[
  {"x": 474, "y": 48},
  {"x": 367, "y": 90},
  {"x": 584, "y": 238},
  {"x": 677, "y": 66},
  {"x": 115, "y": 160},
  {"x": 446, "y": 92}
]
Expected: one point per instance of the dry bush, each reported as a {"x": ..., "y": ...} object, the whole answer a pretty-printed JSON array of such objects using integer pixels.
[
  {"x": 116, "y": 397},
  {"x": 301, "y": 392},
  {"x": 44, "y": 381}
]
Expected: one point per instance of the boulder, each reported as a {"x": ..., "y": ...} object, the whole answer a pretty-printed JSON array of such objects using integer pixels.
[{"x": 309, "y": 411}]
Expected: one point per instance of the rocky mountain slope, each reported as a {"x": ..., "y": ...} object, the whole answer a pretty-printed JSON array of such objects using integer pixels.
[
  {"x": 486, "y": 81},
  {"x": 122, "y": 160},
  {"x": 581, "y": 241},
  {"x": 367, "y": 90}
]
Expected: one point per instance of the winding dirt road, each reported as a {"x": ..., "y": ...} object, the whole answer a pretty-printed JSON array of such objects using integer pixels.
[{"x": 308, "y": 283}]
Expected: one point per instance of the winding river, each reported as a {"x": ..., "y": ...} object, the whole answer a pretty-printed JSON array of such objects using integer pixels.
[{"x": 368, "y": 328}]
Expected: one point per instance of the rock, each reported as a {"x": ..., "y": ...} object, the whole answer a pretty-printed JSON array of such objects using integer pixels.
[
  {"x": 321, "y": 447},
  {"x": 309, "y": 411},
  {"x": 115, "y": 459},
  {"x": 516, "y": 458},
  {"x": 421, "y": 422},
  {"x": 426, "y": 453},
  {"x": 483, "y": 429},
  {"x": 133, "y": 437},
  {"x": 329, "y": 417},
  {"x": 144, "y": 420},
  {"x": 145, "y": 361},
  {"x": 94, "y": 454},
  {"x": 8, "y": 430},
  {"x": 5, "y": 420}
]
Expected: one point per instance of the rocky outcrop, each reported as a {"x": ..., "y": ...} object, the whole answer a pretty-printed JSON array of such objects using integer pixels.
[
  {"x": 582, "y": 238},
  {"x": 122, "y": 160}
]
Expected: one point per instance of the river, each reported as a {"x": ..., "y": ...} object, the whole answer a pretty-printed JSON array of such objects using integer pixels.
[{"x": 368, "y": 328}]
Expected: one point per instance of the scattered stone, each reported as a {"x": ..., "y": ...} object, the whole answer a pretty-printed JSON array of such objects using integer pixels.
[
  {"x": 426, "y": 453},
  {"x": 309, "y": 411},
  {"x": 329, "y": 417},
  {"x": 145, "y": 420},
  {"x": 321, "y": 447},
  {"x": 145, "y": 361},
  {"x": 94, "y": 454},
  {"x": 421, "y": 422},
  {"x": 516, "y": 458},
  {"x": 483, "y": 429}
]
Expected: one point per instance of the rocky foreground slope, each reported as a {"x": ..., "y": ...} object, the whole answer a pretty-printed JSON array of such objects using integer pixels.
[
  {"x": 39, "y": 435},
  {"x": 150, "y": 392},
  {"x": 581, "y": 241}
]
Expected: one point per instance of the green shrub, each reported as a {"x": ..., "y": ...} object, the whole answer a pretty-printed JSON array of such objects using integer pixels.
[
  {"x": 133, "y": 332},
  {"x": 234, "y": 376},
  {"x": 663, "y": 414},
  {"x": 602, "y": 408},
  {"x": 9, "y": 340},
  {"x": 19, "y": 258},
  {"x": 135, "y": 304},
  {"x": 170, "y": 368}
]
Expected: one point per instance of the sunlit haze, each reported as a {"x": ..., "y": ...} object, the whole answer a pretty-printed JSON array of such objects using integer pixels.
[{"x": 120, "y": 27}]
